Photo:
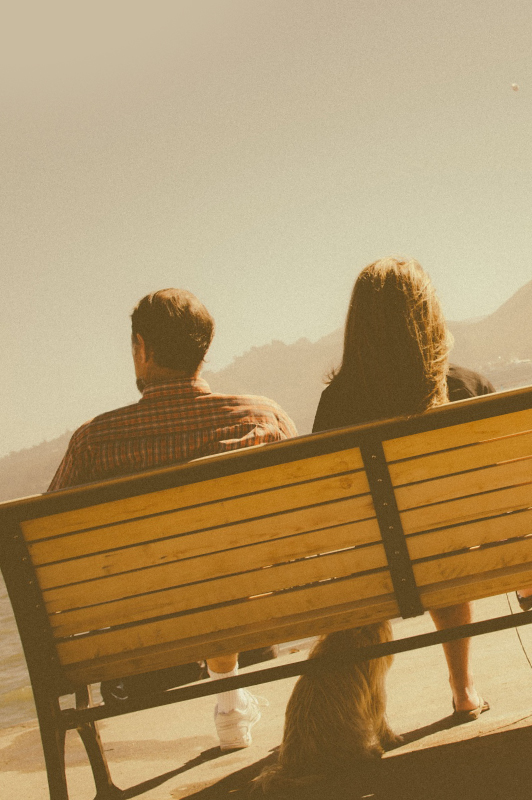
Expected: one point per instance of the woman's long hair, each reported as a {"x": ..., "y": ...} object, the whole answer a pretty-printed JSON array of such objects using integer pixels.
[{"x": 396, "y": 342}]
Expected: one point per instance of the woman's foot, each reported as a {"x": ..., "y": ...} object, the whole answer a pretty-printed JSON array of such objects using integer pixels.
[
  {"x": 471, "y": 714},
  {"x": 524, "y": 598},
  {"x": 464, "y": 695}
]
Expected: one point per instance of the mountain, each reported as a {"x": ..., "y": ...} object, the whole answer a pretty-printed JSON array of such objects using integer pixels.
[
  {"x": 501, "y": 338},
  {"x": 294, "y": 375},
  {"x": 30, "y": 471},
  {"x": 499, "y": 346}
]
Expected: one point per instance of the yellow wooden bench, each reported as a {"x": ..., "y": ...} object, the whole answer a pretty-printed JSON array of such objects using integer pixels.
[{"x": 264, "y": 545}]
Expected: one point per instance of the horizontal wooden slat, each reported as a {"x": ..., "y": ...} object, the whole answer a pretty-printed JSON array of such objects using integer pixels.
[
  {"x": 246, "y": 614},
  {"x": 457, "y": 435},
  {"x": 312, "y": 623},
  {"x": 187, "y": 495},
  {"x": 455, "y": 512},
  {"x": 200, "y": 517},
  {"x": 465, "y": 483},
  {"x": 221, "y": 590},
  {"x": 171, "y": 550},
  {"x": 474, "y": 587},
  {"x": 500, "y": 556},
  {"x": 460, "y": 459},
  {"x": 162, "y": 576},
  {"x": 475, "y": 533}
]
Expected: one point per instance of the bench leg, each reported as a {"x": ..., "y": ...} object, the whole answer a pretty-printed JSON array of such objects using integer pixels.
[
  {"x": 53, "y": 745},
  {"x": 105, "y": 788}
]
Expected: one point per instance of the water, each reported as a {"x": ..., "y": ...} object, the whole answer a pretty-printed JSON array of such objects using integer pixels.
[{"x": 16, "y": 698}]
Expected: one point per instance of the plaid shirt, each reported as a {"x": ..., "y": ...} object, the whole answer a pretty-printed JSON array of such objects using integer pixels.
[{"x": 172, "y": 422}]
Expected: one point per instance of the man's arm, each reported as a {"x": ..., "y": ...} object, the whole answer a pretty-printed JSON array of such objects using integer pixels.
[
  {"x": 286, "y": 426},
  {"x": 73, "y": 469}
]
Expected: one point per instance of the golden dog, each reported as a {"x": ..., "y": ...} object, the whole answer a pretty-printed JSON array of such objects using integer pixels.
[{"x": 336, "y": 715}]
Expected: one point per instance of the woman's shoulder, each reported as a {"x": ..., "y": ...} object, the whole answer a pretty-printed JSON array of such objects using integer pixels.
[
  {"x": 325, "y": 409},
  {"x": 337, "y": 407}
]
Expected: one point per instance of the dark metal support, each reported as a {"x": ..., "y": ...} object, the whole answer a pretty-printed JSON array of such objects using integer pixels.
[
  {"x": 393, "y": 537},
  {"x": 53, "y": 743},
  {"x": 88, "y": 731},
  {"x": 44, "y": 669}
]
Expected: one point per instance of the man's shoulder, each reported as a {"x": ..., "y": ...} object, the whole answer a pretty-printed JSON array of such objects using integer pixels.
[
  {"x": 254, "y": 406},
  {"x": 463, "y": 383},
  {"x": 250, "y": 401},
  {"x": 106, "y": 420}
]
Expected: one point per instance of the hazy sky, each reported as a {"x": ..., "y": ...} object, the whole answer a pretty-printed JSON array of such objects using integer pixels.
[{"x": 257, "y": 153}]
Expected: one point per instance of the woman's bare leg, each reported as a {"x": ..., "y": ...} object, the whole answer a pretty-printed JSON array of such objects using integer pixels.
[{"x": 457, "y": 655}]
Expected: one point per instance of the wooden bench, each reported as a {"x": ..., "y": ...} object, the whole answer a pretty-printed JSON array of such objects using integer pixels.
[{"x": 264, "y": 545}]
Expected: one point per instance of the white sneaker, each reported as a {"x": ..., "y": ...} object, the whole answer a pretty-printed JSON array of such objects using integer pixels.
[{"x": 234, "y": 727}]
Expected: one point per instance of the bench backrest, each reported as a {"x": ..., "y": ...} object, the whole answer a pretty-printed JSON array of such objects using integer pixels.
[{"x": 274, "y": 543}]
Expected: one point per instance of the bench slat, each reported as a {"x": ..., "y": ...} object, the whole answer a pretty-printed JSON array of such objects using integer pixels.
[
  {"x": 313, "y": 623},
  {"x": 187, "y": 495},
  {"x": 447, "y": 568},
  {"x": 221, "y": 590},
  {"x": 225, "y": 512},
  {"x": 455, "y": 512},
  {"x": 162, "y": 576},
  {"x": 461, "y": 458},
  {"x": 471, "y": 534},
  {"x": 465, "y": 483},
  {"x": 215, "y": 539},
  {"x": 244, "y": 615},
  {"x": 419, "y": 444},
  {"x": 474, "y": 587}
]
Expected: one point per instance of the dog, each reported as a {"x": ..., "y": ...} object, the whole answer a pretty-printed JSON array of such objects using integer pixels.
[{"x": 336, "y": 716}]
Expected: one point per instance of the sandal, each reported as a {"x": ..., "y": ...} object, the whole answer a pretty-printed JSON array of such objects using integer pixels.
[
  {"x": 471, "y": 714},
  {"x": 525, "y": 603}
]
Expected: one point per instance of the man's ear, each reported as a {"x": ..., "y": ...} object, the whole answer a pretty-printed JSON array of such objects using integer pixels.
[{"x": 139, "y": 345}]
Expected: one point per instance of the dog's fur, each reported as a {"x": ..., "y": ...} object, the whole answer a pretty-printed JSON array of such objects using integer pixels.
[{"x": 336, "y": 715}]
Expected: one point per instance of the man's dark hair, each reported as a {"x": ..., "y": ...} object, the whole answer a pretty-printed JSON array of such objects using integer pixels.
[{"x": 177, "y": 329}]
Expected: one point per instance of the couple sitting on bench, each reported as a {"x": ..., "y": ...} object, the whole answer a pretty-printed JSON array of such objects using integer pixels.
[{"x": 395, "y": 363}]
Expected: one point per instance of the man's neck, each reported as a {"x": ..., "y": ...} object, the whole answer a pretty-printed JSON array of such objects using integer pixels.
[{"x": 158, "y": 374}]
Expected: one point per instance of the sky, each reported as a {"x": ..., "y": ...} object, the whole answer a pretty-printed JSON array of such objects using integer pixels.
[{"x": 256, "y": 153}]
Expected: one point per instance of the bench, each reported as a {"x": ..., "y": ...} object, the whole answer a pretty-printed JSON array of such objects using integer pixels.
[{"x": 261, "y": 545}]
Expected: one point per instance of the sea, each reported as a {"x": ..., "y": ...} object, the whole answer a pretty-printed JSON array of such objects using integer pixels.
[{"x": 16, "y": 698}]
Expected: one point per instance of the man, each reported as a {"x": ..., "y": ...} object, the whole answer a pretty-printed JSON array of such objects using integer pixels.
[{"x": 178, "y": 418}]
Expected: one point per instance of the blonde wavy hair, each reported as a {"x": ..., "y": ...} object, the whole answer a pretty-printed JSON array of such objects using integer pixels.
[{"x": 396, "y": 342}]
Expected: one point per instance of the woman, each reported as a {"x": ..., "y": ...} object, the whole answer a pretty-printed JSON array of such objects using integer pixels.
[{"x": 395, "y": 362}]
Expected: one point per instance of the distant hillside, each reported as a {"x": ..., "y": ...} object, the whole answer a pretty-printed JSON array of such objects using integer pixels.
[
  {"x": 293, "y": 375},
  {"x": 30, "y": 471},
  {"x": 500, "y": 346},
  {"x": 504, "y": 337}
]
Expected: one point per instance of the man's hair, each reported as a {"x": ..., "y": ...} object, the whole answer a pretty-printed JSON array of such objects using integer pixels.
[
  {"x": 177, "y": 329},
  {"x": 396, "y": 342}
]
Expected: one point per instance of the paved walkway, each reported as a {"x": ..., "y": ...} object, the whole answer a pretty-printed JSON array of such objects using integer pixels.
[{"x": 172, "y": 752}]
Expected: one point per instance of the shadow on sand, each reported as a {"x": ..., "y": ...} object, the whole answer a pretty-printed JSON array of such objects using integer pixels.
[
  {"x": 152, "y": 783},
  {"x": 491, "y": 767}
]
